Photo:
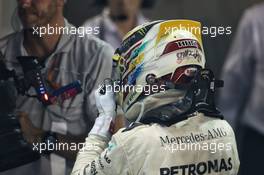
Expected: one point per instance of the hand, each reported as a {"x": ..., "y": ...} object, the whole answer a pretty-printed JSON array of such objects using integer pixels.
[
  {"x": 105, "y": 99},
  {"x": 30, "y": 132},
  {"x": 106, "y": 105}
]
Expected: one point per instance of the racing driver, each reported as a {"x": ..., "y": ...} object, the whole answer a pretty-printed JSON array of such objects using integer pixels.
[{"x": 176, "y": 128}]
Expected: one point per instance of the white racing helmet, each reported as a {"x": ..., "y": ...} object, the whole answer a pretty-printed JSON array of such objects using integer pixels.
[{"x": 151, "y": 57}]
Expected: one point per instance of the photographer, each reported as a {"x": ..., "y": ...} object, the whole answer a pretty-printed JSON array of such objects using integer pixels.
[{"x": 65, "y": 58}]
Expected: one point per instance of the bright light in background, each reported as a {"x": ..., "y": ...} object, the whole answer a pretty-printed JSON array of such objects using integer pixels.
[{"x": 46, "y": 97}]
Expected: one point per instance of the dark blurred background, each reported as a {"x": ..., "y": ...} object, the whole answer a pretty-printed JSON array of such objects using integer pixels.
[
  {"x": 209, "y": 12},
  {"x": 212, "y": 13}
]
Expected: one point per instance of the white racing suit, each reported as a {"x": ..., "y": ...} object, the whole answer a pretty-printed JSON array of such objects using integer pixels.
[{"x": 197, "y": 146}]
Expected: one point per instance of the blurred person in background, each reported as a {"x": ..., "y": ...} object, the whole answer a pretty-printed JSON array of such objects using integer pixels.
[
  {"x": 242, "y": 99},
  {"x": 118, "y": 18},
  {"x": 65, "y": 58}
]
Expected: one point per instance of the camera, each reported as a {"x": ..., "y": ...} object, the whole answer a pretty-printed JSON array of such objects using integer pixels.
[{"x": 14, "y": 150}]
